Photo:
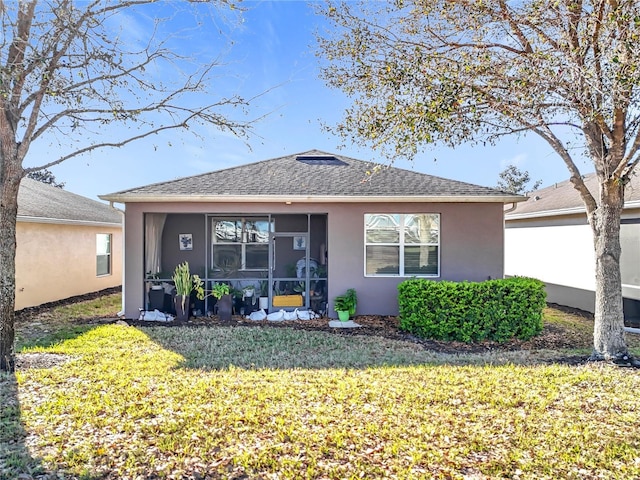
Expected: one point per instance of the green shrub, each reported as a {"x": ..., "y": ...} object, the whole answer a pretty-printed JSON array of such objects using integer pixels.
[{"x": 471, "y": 311}]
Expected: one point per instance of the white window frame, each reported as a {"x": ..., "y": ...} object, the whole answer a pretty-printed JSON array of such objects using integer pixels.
[
  {"x": 107, "y": 254},
  {"x": 401, "y": 245}
]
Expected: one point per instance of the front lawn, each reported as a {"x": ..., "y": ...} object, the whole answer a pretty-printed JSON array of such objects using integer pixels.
[{"x": 219, "y": 402}]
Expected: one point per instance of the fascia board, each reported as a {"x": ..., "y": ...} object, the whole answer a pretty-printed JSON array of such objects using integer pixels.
[
  {"x": 65, "y": 221},
  {"x": 561, "y": 212},
  {"x": 309, "y": 199}
]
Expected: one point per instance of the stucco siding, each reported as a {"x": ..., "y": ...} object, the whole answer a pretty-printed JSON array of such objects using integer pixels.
[
  {"x": 58, "y": 261},
  {"x": 471, "y": 245},
  {"x": 471, "y": 248}
]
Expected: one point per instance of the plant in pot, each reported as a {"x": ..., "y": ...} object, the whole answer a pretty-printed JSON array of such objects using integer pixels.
[
  {"x": 345, "y": 305},
  {"x": 222, "y": 293},
  {"x": 185, "y": 283},
  {"x": 264, "y": 295}
]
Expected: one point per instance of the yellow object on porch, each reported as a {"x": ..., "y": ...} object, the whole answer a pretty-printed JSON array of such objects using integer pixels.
[{"x": 287, "y": 301}]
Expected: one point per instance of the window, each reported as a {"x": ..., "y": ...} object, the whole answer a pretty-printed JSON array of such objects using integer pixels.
[
  {"x": 240, "y": 244},
  {"x": 103, "y": 254},
  {"x": 402, "y": 244}
]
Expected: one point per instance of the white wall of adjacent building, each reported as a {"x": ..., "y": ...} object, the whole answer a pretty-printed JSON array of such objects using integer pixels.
[{"x": 559, "y": 251}]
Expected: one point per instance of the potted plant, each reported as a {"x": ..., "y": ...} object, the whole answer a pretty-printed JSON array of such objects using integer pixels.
[
  {"x": 264, "y": 295},
  {"x": 185, "y": 283},
  {"x": 219, "y": 290},
  {"x": 222, "y": 292},
  {"x": 345, "y": 305}
]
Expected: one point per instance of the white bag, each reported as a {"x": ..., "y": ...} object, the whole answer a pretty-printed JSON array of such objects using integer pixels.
[
  {"x": 155, "y": 316},
  {"x": 257, "y": 315},
  {"x": 291, "y": 315},
  {"x": 276, "y": 316},
  {"x": 303, "y": 315}
]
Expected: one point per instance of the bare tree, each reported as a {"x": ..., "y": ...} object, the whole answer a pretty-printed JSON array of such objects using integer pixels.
[
  {"x": 96, "y": 74},
  {"x": 424, "y": 71}
]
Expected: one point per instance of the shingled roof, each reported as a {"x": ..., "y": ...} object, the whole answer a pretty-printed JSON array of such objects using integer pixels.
[
  {"x": 563, "y": 199},
  {"x": 39, "y": 202},
  {"x": 311, "y": 176}
]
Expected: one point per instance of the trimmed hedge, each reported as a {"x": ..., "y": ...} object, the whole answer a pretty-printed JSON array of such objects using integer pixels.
[{"x": 471, "y": 311}]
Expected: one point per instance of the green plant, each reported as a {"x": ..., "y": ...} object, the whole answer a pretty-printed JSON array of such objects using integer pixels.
[
  {"x": 346, "y": 302},
  {"x": 472, "y": 311},
  {"x": 264, "y": 288},
  {"x": 220, "y": 289},
  {"x": 186, "y": 283},
  {"x": 299, "y": 287}
]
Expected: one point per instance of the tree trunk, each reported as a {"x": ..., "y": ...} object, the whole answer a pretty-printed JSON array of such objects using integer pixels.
[
  {"x": 608, "y": 334},
  {"x": 8, "y": 214}
]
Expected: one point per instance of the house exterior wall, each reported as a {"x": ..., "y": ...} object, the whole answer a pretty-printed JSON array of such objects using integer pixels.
[
  {"x": 58, "y": 261},
  {"x": 559, "y": 251},
  {"x": 471, "y": 245}
]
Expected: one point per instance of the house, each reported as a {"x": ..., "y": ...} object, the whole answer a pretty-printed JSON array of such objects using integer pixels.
[
  {"x": 301, "y": 229},
  {"x": 66, "y": 245},
  {"x": 548, "y": 237}
]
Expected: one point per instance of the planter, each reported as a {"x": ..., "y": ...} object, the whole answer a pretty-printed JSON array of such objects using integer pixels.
[
  {"x": 225, "y": 307},
  {"x": 263, "y": 303},
  {"x": 182, "y": 305},
  {"x": 343, "y": 315}
]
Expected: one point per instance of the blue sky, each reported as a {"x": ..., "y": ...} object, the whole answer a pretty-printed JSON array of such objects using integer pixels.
[{"x": 275, "y": 49}]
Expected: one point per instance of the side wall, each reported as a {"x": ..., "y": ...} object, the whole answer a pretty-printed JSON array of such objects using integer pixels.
[
  {"x": 471, "y": 245},
  {"x": 56, "y": 261},
  {"x": 559, "y": 251},
  {"x": 560, "y": 254}
]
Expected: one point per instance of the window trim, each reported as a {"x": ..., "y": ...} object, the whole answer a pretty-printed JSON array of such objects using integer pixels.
[{"x": 401, "y": 244}]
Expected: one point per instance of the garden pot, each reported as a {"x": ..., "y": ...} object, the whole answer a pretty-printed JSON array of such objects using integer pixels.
[
  {"x": 225, "y": 307},
  {"x": 263, "y": 303},
  {"x": 182, "y": 305},
  {"x": 343, "y": 315}
]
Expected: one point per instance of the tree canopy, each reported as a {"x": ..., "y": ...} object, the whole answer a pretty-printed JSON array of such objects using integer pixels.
[
  {"x": 45, "y": 176},
  {"x": 426, "y": 71},
  {"x": 514, "y": 180}
]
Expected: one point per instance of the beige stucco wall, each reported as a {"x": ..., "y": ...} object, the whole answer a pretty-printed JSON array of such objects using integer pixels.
[
  {"x": 471, "y": 245},
  {"x": 58, "y": 261}
]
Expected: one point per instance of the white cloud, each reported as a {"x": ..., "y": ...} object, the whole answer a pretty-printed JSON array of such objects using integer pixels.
[{"x": 519, "y": 160}]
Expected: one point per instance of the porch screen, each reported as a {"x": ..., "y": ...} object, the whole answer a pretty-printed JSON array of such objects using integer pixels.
[{"x": 239, "y": 243}]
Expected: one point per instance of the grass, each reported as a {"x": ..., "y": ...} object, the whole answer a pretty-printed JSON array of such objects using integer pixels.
[{"x": 280, "y": 403}]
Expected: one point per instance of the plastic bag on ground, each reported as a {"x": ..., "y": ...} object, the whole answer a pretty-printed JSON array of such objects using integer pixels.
[
  {"x": 291, "y": 315},
  {"x": 276, "y": 316},
  {"x": 307, "y": 314},
  {"x": 257, "y": 315}
]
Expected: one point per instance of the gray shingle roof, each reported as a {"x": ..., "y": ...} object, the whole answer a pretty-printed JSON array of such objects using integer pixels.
[
  {"x": 563, "y": 198},
  {"x": 316, "y": 175},
  {"x": 40, "y": 201}
]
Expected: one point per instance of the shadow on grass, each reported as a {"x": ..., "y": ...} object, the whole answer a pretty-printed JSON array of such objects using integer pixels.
[
  {"x": 221, "y": 348},
  {"x": 15, "y": 459}
]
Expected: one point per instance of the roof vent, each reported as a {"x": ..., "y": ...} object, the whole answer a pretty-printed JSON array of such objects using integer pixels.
[{"x": 320, "y": 160}]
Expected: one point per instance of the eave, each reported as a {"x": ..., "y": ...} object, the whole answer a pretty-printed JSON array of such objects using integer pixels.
[
  {"x": 65, "y": 221},
  {"x": 151, "y": 198},
  {"x": 562, "y": 212}
]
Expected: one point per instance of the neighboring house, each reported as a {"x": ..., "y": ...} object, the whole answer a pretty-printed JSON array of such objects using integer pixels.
[
  {"x": 548, "y": 237},
  {"x": 66, "y": 245},
  {"x": 302, "y": 229}
]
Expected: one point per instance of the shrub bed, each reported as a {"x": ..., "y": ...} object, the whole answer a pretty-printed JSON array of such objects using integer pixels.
[{"x": 472, "y": 311}]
